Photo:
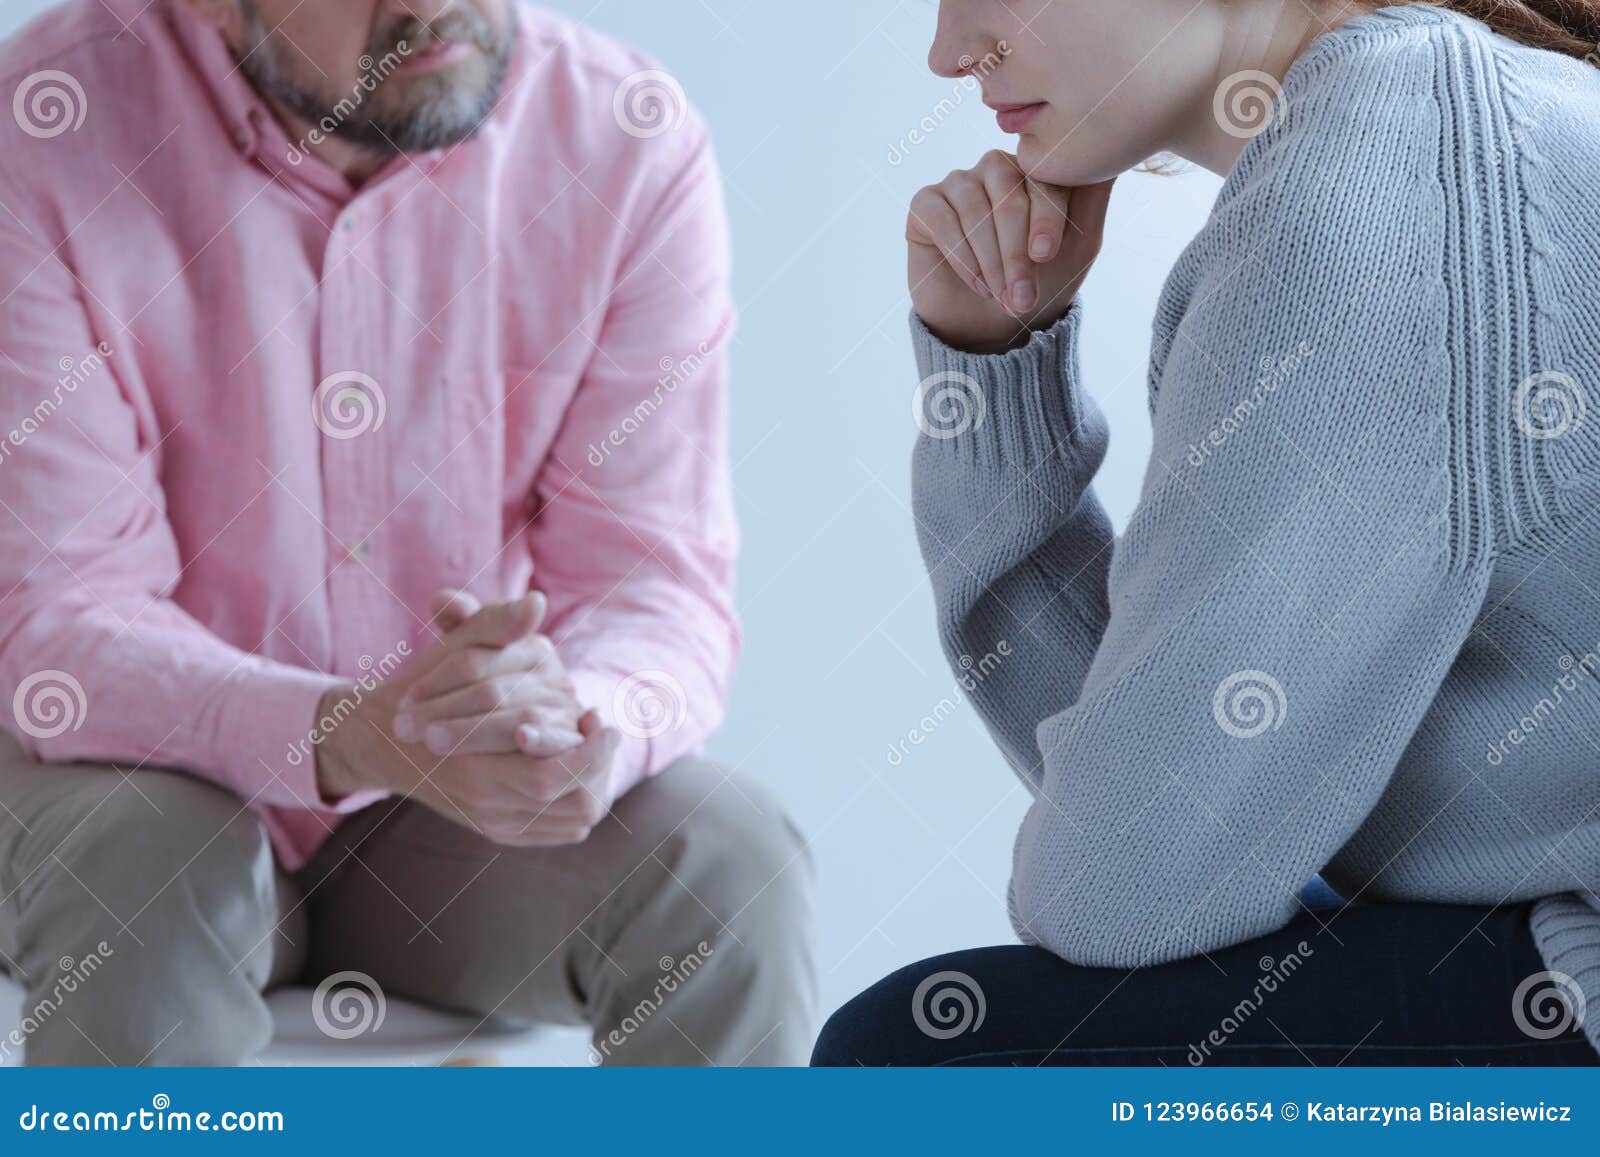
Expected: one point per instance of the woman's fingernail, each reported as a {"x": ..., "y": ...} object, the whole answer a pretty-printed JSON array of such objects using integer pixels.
[
  {"x": 405, "y": 728},
  {"x": 1040, "y": 249},
  {"x": 1023, "y": 295},
  {"x": 438, "y": 739}
]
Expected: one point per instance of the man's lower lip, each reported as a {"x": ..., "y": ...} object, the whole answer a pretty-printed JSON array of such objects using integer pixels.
[
  {"x": 1017, "y": 120},
  {"x": 435, "y": 56}
]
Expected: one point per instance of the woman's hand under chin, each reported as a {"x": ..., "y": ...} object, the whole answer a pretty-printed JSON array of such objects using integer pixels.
[{"x": 995, "y": 255}]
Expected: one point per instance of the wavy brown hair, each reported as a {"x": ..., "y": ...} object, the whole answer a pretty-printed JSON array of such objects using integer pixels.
[{"x": 1569, "y": 26}]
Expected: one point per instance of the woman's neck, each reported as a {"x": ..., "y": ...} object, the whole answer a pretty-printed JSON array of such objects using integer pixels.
[{"x": 1262, "y": 36}]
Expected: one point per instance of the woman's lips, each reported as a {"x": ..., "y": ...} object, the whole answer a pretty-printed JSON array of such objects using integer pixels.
[{"x": 1015, "y": 118}]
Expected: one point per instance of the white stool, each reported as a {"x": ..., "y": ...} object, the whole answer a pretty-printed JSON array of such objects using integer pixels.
[{"x": 410, "y": 1034}]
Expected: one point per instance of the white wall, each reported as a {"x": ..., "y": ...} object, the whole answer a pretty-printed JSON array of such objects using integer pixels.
[{"x": 807, "y": 101}]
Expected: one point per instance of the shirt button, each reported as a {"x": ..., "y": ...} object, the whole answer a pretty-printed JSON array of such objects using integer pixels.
[{"x": 361, "y": 551}]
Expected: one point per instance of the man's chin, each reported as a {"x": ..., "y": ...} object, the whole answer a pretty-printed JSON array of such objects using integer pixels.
[{"x": 434, "y": 110}]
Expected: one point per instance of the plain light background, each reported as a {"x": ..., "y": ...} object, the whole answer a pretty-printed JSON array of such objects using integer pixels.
[{"x": 812, "y": 105}]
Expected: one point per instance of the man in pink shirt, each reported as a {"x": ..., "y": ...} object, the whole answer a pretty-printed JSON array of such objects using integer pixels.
[{"x": 366, "y": 543}]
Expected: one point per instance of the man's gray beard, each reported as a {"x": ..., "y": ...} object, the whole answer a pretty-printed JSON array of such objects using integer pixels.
[{"x": 440, "y": 115}]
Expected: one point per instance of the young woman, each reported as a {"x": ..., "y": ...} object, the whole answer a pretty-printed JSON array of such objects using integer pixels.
[{"x": 1353, "y": 627}]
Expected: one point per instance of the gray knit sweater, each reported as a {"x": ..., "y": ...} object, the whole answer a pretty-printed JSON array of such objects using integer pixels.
[{"x": 1353, "y": 626}]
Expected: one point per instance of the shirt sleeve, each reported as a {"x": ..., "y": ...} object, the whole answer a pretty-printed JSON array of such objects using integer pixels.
[
  {"x": 1299, "y": 576},
  {"x": 635, "y": 538},
  {"x": 96, "y": 659}
]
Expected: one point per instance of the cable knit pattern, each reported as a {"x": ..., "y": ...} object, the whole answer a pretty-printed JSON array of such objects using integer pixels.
[{"x": 1353, "y": 626}]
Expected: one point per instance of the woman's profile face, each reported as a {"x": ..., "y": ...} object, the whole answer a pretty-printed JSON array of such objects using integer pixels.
[{"x": 1091, "y": 88}]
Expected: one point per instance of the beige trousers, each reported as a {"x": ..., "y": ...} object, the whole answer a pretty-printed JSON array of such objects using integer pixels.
[{"x": 145, "y": 915}]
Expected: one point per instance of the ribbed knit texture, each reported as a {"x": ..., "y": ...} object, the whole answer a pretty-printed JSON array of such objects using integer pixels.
[{"x": 1353, "y": 626}]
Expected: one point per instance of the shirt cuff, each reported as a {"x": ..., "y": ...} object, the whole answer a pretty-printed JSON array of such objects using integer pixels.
[{"x": 270, "y": 725}]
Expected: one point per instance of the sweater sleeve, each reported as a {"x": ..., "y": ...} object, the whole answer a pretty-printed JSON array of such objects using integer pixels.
[
  {"x": 1015, "y": 542},
  {"x": 1295, "y": 584}
]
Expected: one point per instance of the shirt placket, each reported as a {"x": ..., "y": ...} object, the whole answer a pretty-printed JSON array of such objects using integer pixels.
[{"x": 350, "y": 408}]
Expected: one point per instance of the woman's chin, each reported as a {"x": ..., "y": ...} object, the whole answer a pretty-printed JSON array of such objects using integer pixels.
[{"x": 1055, "y": 162}]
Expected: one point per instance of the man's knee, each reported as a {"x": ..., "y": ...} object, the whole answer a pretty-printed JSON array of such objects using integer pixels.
[
  {"x": 169, "y": 883},
  {"x": 163, "y": 846},
  {"x": 728, "y": 844}
]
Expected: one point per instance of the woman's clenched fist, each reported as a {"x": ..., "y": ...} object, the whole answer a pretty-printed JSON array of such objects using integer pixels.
[{"x": 995, "y": 255}]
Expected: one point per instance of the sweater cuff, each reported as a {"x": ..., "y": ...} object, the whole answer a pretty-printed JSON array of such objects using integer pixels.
[
  {"x": 1019, "y": 406},
  {"x": 1567, "y": 931}
]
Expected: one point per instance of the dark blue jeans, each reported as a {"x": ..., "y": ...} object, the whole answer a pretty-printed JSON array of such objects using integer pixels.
[{"x": 1403, "y": 984}]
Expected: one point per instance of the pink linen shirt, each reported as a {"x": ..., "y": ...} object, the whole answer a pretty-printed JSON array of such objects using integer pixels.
[{"x": 251, "y": 418}]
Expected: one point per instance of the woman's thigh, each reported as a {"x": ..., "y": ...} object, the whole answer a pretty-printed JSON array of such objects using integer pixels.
[{"x": 1425, "y": 984}]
